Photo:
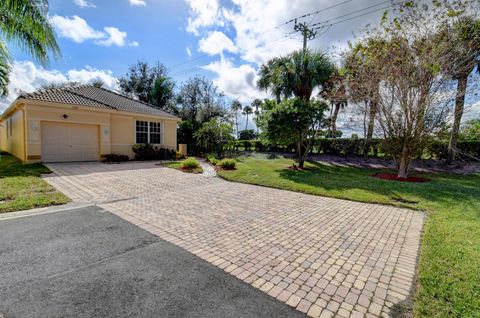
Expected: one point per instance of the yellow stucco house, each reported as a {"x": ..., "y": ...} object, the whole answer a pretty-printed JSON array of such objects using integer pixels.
[{"x": 81, "y": 123}]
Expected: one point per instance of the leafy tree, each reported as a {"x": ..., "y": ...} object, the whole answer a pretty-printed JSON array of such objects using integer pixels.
[
  {"x": 98, "y": 83},
  {"x": 148, "y": 84},
  {"x": 248, "y": 134},
  {"x": 214, "y": 135},
  {"x": 410, "y": 105},
  {"x": 162, "y": 94},
  {"x": 471, "y": 130},
  {"x": 247, "y": 110},
  {"x": 198, "y": 101},
  {"x": 459, "y": 40},
  {"x": 296, "y": 74},
  {"x": 295, "y": 121},
  {"x": 235, "y": 107},
  {"x": 25, "y": 23}
]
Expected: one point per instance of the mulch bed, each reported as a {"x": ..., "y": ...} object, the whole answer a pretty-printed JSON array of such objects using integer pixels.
[{"x": 394, "y": 177}]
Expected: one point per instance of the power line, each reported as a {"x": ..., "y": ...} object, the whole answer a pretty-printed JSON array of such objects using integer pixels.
[
  {"x": 353, "y": 12},
  {"x": 351, "y": 18}
]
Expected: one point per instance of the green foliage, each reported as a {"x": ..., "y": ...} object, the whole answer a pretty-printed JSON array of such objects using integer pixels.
[
  {"x": 248, "y": 134},
  {"x": 296, "y": 74},
  {"x": 149, "y": 84},
  {"x": 295, "y": 121},
  {"x": 190, "y": 163},
  {"x": 227, "y": 163},
  {"x": 150, "y": 152},
  {"x": 212, "y": 159},
  {"x": 213, "y": 136},
  {"x": 471, "y": 130},
  {"x": 198, "y": 101},
  {"x": 115, "y": 158},
  {"x": 179, "y": 155},
  {"x": 25, "y": 24}
]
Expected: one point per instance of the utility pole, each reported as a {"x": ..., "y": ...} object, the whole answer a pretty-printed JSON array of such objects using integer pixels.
[{"x": 307, "y": 33}]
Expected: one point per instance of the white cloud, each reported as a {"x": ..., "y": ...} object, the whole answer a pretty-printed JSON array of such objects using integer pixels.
[
  {"x": 28, "y": 77},
  {"x": 75, "y": 29},
  {"x": 189, "y": 53},
  {"x": 133, "y": 43},
  {"x": 215, "y": 43},
  {"x": 84, "y": 4},
  {"x": 78, "y": 30},
  {"x": 138, "y": 3},
  {"x": 203, "y": 13},
  {"x": 236, "y": 82},
  {"x": 115, "y": 37}
]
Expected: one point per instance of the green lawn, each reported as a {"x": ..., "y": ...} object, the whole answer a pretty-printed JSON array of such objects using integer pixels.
[
  {"x": 21, "y": 187},
  {"x": 449, "y": 267}
]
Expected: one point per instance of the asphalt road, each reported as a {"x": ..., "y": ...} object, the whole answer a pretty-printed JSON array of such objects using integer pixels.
[{"x": 90, "y": 263}]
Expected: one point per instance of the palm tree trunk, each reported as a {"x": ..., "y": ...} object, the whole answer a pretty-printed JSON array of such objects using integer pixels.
[
  {"x": 246, "y": 123},
  {"x": 236, "y": 123},
  {"x": 334, "y": 120},
  {"x": 459, "y": 105}
]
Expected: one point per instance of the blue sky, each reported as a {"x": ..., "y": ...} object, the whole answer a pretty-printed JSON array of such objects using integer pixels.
[
  {"x": 158, "y": 28},
  {"x": 224, "y": 40}
]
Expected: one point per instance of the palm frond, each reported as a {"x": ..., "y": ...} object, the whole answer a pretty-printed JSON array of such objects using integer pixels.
[
  {"x": 4, "y": 69},
  {"x": 25, "y": 24}
]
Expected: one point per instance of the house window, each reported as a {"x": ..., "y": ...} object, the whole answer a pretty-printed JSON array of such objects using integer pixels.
[
  {"x": 155, "y": 133},
  {"x": 148, "y": 132},
  {"x": 142, "y": 132}
]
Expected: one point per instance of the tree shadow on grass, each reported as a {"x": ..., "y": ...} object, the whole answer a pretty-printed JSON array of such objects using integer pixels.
[{"x": 442, "y": 189}]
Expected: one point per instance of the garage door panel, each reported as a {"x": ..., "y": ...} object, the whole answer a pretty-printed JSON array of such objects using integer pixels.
[{"x": 69, "y": 142}]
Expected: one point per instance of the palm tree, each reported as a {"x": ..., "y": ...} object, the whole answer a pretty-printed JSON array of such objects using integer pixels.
[
  {"x": 334, "y": 91},
  {"x": 247, "y": 110},
  {"x": 296, "y": 74},
  {"x": 363, "y": 81},
  {"x": 460, "y": 43},
  {"x": 25, "y": 23},
  {"x": 256, "y": 104},
  {"x": 235, "y": 107}
]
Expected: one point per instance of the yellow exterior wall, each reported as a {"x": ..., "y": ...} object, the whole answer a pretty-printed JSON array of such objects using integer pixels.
[
  {"x": 14, "y": 144},
  {"x": 116, "y": 129}
]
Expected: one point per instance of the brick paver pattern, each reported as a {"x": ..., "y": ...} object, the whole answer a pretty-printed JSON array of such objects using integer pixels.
[{"x": 325, "y": 257}]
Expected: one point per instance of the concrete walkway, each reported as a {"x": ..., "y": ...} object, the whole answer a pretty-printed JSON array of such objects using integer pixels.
[{"x": 322, "y": 256}]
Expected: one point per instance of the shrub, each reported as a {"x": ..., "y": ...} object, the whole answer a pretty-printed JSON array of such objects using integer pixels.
[
  {"x": 179, "y": 155},
  {"x": 227, "y": 163},
  {"x": 212, "y": 160},
  {"x": 150, "y": 152},
  {"x": 190, "y": 163},
  {"x": 248, "y": 134},
  {"x": 111, "y": 158}
]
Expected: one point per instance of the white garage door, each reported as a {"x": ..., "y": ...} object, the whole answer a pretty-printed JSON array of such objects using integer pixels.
[{"x": 69, "y": 142}]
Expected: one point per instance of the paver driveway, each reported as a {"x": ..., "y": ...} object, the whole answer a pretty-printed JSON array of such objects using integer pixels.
[{"x": 323, "y": 256}]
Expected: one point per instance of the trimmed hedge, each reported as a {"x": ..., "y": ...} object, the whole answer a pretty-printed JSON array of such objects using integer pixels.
[
  {"x": 468, "y": 150},
  {"x": 150, "y": 152},
  {"x": 348, "y": 147}
]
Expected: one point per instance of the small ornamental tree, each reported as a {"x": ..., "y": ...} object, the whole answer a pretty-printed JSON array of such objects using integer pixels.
[
  {"x": 213, "y": 136},
  {"x": 295, "y": 121}
]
